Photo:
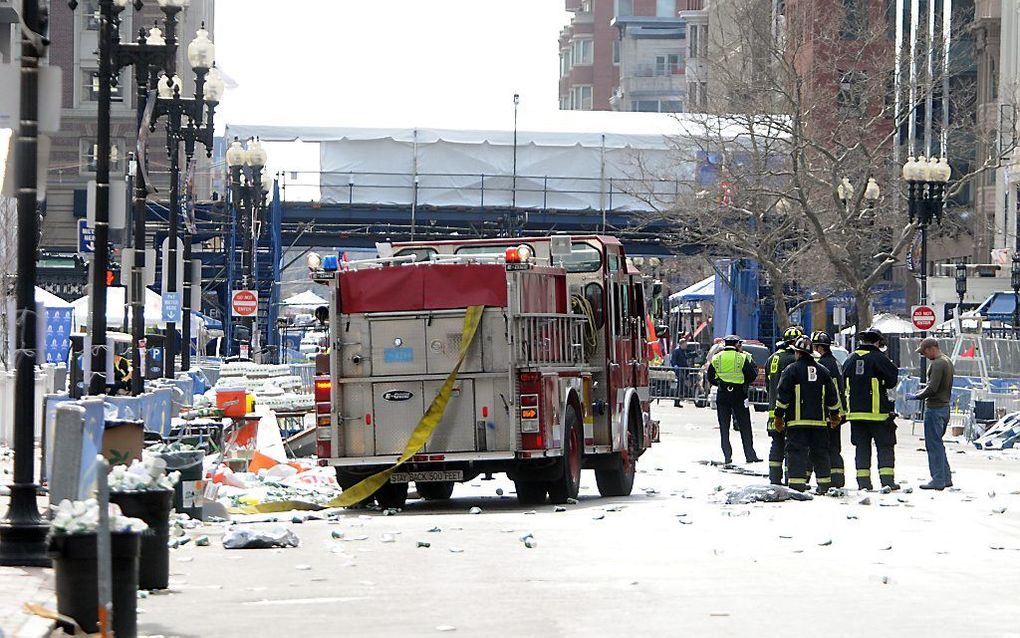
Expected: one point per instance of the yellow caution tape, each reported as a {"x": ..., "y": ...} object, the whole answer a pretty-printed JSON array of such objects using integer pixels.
[{"x": 367, "y": 487}]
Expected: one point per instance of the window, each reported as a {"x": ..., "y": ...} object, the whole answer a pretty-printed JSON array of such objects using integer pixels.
[
  {"x": 87, "y": 151},
  {"x": 90, "y": 14},
  {"x": 593, "y": 294},
  {"x": 850, "y": 98},
  {"x": 855, "y": 19},
  {"x": 420, "y": 254},
  {"x": 616, "y": 51},
  {"x": 564, "y": 63},
  {"x": 583, "y": 258},
  {"x": 581, "y": 98},
  {"x": 490, "y": 249},
  {"x": 665, "y": 8},
  {"x": 692, "y": 40},
  {"x": 670, "y": 64},
  {"x": 586, "y": 6},
  {"x": 583, "y": 51},
  {"x": 646, "y": 106},
  {"x": 692, "y": 93},
  {"x": 702, "y": 95},
  {"x": 671, "y": 106},
  {"x": 624, "y": 8},
  {"x": 90, "y": 87}
]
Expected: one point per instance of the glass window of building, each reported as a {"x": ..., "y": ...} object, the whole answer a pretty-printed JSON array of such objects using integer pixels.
[
  {"x": 624, "y": 8},
  {"x": 665, "y": 8},
  {"x": 584, "y": 49}
]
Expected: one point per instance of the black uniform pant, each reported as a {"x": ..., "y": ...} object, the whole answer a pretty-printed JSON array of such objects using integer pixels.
[
  {"x": 883, "y": 433},
  {"x": 836, "y": 457},
  {"x": 731, "y": 407},
  {"x": 777, "y": 454},
  {"x": 808, "y": 445}
]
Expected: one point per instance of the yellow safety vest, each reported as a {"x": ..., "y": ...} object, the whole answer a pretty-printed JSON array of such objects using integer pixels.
[{"x": 729, "y": 366}]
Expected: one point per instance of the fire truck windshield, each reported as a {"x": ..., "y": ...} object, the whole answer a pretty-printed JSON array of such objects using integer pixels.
[{"x": 583, "y": 258}]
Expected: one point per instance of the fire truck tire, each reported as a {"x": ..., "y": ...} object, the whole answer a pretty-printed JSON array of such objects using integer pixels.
[
  {"x": 347, "y": 481},
  {"x": 439, "y": 491},
  {"x": 391, "y": 495},
  {"x": 530, "y": 492},
  {"x": 567, "y": 485},
  {"x": 618, "y": 480}
]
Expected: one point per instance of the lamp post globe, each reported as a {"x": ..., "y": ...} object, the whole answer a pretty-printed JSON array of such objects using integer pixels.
[
  {"x": 214, "y": 86},
  {"x": 235, "y": 154},
  {"x": 201, "y": 50},
  {"x": 155, "y": 37},
  {"x": 169, "y": 86},
  {"x": 173, "y": 4},
  {"x": 872, "y": 191},
  {"x": 257, "y": 156}
]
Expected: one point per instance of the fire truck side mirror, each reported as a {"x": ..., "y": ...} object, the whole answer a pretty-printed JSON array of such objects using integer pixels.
[{"x": 322, "y": 314}]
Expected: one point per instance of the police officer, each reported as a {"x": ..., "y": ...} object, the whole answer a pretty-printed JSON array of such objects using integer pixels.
[
  {"x": 732, "y": 371},
  {"x": 870, "y": 376},
  {"x": 807, "y": 401},
  {"x": 782, "y": 357},
  {"x": 822, "y": 343}
]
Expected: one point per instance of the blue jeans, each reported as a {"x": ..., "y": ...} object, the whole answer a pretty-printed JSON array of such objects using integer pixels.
[{"x": 935, "y": 422}]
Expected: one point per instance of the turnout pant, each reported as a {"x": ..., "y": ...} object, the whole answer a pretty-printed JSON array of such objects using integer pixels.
[
  {"x": 777, "y": 454},
  {"x": 883, "y": 433},
  {"x": 731, "y": 406},
  {"x": 808, "y": 444},
  {"x": 836, "y": 456}
]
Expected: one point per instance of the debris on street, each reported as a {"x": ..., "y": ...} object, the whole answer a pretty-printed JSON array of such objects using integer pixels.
[
  {"x": 242, "y": 537},
  {"x": 765, "y": 494}
]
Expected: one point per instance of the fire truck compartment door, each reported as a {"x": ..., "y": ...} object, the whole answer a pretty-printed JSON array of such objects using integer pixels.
[
  {"x": 442, "y": 341},
  {"x": 456, "y": 430},
  {"x": 397, "y": 346},
  {"x": 397, "y": 409}
]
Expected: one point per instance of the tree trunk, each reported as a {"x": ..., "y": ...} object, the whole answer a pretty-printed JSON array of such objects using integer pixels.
[
  {"x": 864, "y": 317},
  {"x": 779, "y": 303}
]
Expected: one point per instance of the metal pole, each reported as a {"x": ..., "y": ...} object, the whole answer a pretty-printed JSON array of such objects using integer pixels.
[
  {"x": 254, "y": 212},
  {"x": 171, "y": 250},
  {"x": 139, "y": 240},
  {"x": 100, "y": 258},
  {"x": 929, "y": 97},
  {"x": 898, "y": 88},
  {"x": 186, "y": 304},
  {"x": 912, "y": 106},
  {"x": 947, "y": 27},
  {"x": 23, "y": 532},
  {"x": 924, "y": 285},
  {"x": 513, "y": 194}
]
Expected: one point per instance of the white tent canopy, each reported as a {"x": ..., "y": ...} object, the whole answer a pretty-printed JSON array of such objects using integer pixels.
[
  {"x": 49, "y": 299},
  {"x": 116, "y": 307},
  {"x": 306, "y": 299},
  {"x": 889, "y": 324}
]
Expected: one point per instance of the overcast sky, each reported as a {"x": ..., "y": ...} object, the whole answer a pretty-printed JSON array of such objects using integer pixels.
[{"x": 401, "y": 63}]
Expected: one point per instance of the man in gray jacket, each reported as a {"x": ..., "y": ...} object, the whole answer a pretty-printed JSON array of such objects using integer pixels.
[{"x": 936, "y": 396}]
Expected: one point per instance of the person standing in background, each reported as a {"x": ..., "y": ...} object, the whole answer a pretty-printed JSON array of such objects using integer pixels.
[
  {"x": 937, "y": 396},
  {"x": 733, "y": 371}
]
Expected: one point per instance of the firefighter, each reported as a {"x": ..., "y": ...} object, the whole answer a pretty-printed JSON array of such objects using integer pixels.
[
  {"x": 732, "y": 371},
  {"x": 822, "y": 343},
  {"x": 870, "y": 376},
  {"x": 807, "y": 401},
  {"x": 782, "y": 357}
]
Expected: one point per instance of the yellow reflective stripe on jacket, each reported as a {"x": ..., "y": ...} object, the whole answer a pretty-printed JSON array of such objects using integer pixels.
[
  {"x": 876, "y": 410},
  {"x": 729, "y": 366}
]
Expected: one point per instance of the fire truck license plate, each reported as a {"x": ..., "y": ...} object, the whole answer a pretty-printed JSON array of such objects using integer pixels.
[{"x": 434, "y": 476}]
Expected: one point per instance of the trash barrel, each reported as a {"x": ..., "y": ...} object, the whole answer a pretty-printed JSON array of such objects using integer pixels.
[
  {"x": 75, "y": 572},
  {"x": 153, "y": 507},
  {"x": 188, "y": 490}
]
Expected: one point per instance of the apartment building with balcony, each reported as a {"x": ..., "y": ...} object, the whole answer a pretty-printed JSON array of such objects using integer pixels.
[{"x": 591, "y": 49}]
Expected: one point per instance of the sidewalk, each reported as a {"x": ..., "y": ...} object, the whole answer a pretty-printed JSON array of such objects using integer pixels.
[{"x": 20, "y": 585}]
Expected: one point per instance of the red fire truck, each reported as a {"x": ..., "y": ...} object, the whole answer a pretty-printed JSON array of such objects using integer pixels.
[{"x": 554, "y": 381}]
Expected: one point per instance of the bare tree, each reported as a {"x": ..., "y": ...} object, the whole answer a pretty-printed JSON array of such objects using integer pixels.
[{"x": 803, "y": 116}]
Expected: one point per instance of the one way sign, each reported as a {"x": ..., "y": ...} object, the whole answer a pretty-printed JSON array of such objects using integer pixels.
[{"x": 86, "y": 238}]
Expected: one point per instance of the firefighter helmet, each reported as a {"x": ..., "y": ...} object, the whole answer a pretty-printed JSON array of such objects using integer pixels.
[
  {"x": 821, "y": 338},
  {"x": 871, "y": 335},
  {"x": 792, "y": 333},
  {"x": 802, "y": 344}
]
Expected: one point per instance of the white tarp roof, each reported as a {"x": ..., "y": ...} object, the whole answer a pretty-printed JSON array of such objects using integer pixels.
[
  {"x": 49, "y": 299},
  {"x": 889, "y": 324},
  {"x": 116, "y": 306},
  {"x": 568, "y": 161},
  {"x": 704, "y": 290},
  {"x": 306, "y": 299}
]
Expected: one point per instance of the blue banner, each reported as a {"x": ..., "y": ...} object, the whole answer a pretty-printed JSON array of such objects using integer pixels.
[{"x": 57, "y": 334}]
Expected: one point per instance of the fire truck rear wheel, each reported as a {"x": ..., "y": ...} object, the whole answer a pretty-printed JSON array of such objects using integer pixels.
[
  {"x": 439, "y": 491},
  {"x": 346, "y": 480},
  {"x": 619, "y": 479},
  {"x": 530, "y": 492},
  {"x": 567, "y": 485},
  {"x": 391, "y": 495}
]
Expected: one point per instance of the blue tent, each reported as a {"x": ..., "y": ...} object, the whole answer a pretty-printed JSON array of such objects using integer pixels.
[
  {"x": 998, "y": 307},
  {"x": 704, "y": 290}
]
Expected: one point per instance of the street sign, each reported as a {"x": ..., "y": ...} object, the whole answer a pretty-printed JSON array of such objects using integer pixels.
[
  {"x": 244, "y": 303},
  {"x": 839, "y": 316},
  {"x": 923, "y": 317},
  {"x": 172, "y": 307},
  {"x": 86, "y": 238}
]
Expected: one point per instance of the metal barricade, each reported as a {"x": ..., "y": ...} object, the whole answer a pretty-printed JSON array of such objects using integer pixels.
[{"x": 678, "y": 384}]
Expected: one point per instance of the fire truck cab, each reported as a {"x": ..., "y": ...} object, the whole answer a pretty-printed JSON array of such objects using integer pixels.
[{"x": 554, "y": 381}]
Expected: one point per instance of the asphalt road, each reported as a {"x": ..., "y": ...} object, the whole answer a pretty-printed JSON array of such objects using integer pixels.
[{"x": 672, "y": 559}]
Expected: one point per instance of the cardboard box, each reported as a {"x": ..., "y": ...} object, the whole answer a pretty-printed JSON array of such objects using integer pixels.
[{"x": 122, "y": 441}]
